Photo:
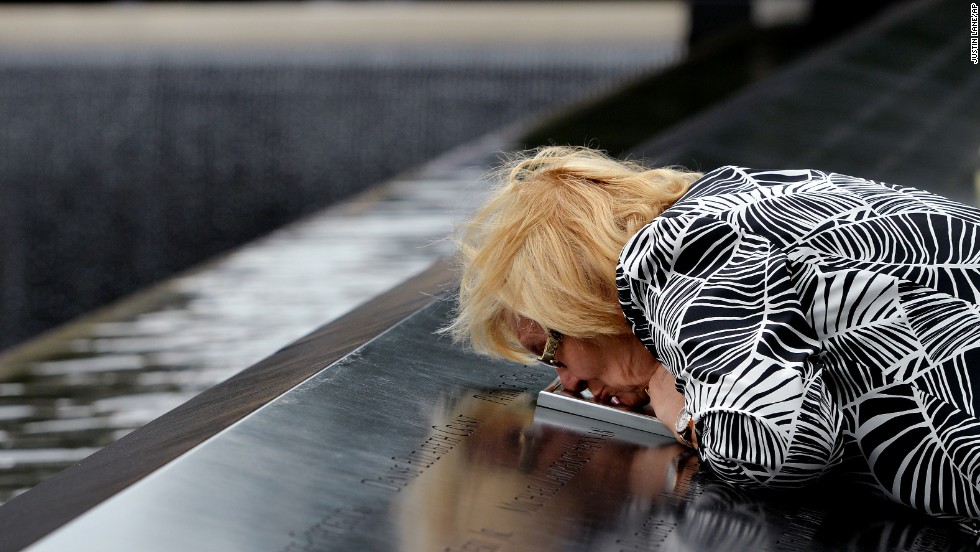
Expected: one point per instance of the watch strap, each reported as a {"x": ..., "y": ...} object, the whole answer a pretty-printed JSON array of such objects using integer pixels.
[{"x": 689, "y": 436}]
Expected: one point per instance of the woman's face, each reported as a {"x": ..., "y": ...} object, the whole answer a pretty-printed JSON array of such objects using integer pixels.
[{"x": 615, "y": 369}]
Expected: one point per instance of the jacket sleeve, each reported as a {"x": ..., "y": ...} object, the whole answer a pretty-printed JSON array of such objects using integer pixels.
[{"x": 718, "y": 308}]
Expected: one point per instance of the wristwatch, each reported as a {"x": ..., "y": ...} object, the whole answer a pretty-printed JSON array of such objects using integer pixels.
[{"x": 685, "y": 428}]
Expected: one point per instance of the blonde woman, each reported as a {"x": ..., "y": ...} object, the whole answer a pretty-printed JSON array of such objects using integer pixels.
[{"x": 782, "y": 322}]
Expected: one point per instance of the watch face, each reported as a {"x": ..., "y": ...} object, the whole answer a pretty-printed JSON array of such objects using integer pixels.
[{"x": 682, "y": 420}]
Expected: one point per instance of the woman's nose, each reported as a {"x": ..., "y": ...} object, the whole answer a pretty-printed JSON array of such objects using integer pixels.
[{"x": 570, "y": 382}]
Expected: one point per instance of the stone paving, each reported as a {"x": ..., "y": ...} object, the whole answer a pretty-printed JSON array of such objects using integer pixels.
[{"x": 371, "y": 23}]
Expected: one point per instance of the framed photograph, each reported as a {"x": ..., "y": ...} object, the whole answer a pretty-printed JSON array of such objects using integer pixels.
[{"x": 555, "y": 397}]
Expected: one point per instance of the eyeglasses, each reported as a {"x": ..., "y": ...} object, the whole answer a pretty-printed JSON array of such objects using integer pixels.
[{"x": 550, "y": 348}]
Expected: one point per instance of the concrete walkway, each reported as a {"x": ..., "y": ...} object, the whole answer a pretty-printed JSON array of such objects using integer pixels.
[{"x": 348, "y": 24}]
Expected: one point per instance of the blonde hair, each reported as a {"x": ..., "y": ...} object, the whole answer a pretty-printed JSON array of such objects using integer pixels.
[{"x": 546, "y": 243}]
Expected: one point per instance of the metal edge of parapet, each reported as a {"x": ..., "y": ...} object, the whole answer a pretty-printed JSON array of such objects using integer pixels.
[{"x": 60, "y": 499}]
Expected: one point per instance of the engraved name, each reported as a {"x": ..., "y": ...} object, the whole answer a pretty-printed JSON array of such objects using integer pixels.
[
  {"x": 512, "y": 386},
  {"x": 336, "y": 524},
  {"x": 542, "y": 487},
  {"x": 651, "y": 535},
  {"x": 800, "y": 532},
  {"x": 407, "y": 467},
  {"x": 488, "y": 540}
]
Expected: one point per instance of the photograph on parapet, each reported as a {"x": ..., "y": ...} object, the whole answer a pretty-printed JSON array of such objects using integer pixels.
[{"x": 556, "y": 397}]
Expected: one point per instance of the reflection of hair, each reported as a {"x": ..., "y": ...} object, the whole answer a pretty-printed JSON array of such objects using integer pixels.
[
  {"x": 545, "y": 245},
  {"x": 460, "y": 493},
  {"x": 466, "y": 490}
]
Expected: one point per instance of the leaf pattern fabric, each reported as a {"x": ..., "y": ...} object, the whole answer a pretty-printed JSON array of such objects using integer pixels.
[{"x": 812, "y": 319}]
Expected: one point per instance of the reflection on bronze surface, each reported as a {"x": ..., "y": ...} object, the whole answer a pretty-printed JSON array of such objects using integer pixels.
[{"x": 519, "y": 485}]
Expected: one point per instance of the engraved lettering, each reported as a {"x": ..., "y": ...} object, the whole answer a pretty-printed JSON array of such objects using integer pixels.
[
  {"x": 435, "y": 448},
  {"x": 489, "y": 541},
  {"x": 512, "y": 386},
  {"x": 522, "y": 379},
  {"x": 499, "y": 396},
  {"x": 541, "y": 487},
  {"x": 475, "y": 545},
  {"x": 407, "y": 467},
  {"x": 493, "y": 534},
  {"x": 651, "y": 535},
  {"x": 464, "y": 426},
  {"x": 443, "y": 438},
  {"x": 381, "y": 483},
  {"x": 799, "y": 533},
  {"x": 336, "y": 524},
  {"x": 418, "y": 458}
]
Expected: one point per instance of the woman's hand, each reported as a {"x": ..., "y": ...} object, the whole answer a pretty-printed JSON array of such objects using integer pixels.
[{"x": 665, "y": 400}]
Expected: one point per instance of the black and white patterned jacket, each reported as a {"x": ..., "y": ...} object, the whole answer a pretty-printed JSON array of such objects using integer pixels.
[{"x": 811, "y": 317}]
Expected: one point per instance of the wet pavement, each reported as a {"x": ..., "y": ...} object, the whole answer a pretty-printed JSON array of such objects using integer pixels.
[{"x": 895, "y": 102}]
